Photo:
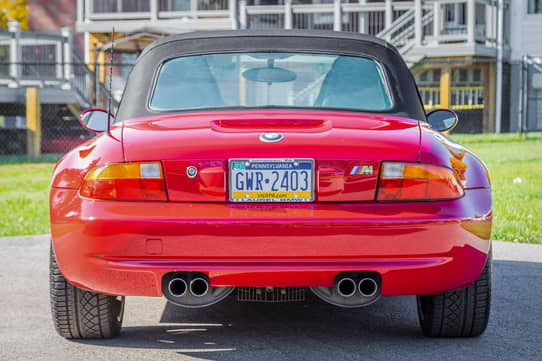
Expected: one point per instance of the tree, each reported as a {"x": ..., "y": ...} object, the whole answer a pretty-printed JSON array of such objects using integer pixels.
[{"x": 14, "y": 10}]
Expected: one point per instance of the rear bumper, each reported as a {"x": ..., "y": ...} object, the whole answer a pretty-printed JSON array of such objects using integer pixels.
[{"x": 125, "y": 248}]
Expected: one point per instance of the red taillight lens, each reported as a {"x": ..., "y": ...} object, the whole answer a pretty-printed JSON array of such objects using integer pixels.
[
  {"x": 417, "y": 181},
  {"x": 126, "y": 181}
]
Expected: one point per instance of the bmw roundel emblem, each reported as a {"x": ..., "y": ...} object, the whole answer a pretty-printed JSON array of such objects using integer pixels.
[
  {"x": 271, "y": 137},
  {"x": 191, "y": 171}
]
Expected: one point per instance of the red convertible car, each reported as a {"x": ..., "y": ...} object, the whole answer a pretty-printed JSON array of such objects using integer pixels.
[{"x": 269, "y": 164}]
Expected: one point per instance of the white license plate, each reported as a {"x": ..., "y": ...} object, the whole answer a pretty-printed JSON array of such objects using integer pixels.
[{"x": 271, "y": 180}]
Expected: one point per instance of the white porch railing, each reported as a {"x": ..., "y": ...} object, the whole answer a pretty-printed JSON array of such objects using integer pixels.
[
  {"x": 89, "y": 11},
  {"x": 48, "y": 61},
  {"x": 27, "y": 58},
  {"x": 405, "y": 24},
  {"x": 461, "y": 97},
  {"x": 370, "y": 18}
]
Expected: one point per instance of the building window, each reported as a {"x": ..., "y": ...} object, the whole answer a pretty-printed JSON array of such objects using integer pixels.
[
  {"x": 436, "y": 75},
  {"x": 424, "y": 76},
  {"x": 174, "y": 5},
  {"x": 429, "y": 77},
  {"x": 534, "y": 7},
  {"x": 463, "y": 76},
  {"x": 477, "y": 75}
]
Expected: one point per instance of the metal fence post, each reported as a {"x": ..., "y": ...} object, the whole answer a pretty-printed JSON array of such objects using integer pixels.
[
  {"x": 499, "y": 75},
  {"x": 525, "y": 94},
  {"x": 33, "y": 123},
  {"x": 67, "y": 56},
  {"x": 520, "y": 94},
  {"x": 14, "y": 53}
]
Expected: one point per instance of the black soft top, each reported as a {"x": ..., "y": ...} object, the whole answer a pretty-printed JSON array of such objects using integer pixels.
[{"x": 139, "y": 86}]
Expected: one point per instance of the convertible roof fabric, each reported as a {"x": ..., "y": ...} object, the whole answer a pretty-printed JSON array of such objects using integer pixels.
[{"x": 139, "y": 86}]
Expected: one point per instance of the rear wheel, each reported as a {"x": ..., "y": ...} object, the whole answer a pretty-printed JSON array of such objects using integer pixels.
[
  {"x": 82, "y": 314},
  {"x": 458, "y": 313}
]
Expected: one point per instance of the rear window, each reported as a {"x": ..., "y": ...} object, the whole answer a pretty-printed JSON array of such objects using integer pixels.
[{"x": 271, "y": 80}]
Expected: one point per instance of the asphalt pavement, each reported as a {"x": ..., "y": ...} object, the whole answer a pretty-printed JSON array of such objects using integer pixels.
[{"x": 154, "y": 330}]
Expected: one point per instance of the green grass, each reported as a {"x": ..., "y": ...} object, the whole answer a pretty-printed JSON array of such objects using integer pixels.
[
  {"x": 515, "y": 168},
  {"x": 24, "y": 194},
  {"x": 22, "y": 159},
  {"x": 517, "y": 205}
]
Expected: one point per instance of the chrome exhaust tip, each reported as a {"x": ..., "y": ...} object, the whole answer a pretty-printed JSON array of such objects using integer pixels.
[
  {"x": 199, "y": 287},
  {"x": 346, "y": 287},
  {"x": 177, "y": 287},
  {"x": 368, "y": 287}
]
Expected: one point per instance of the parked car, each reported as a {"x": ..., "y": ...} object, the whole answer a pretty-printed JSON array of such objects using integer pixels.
[{"x": 269, "y": 164}]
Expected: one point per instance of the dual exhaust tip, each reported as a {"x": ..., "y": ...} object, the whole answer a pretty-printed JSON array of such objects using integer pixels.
[
  {"x": 192, "y": 289},
  {"x": 347, "y": 287},
  {"x": 198, "y": 287}
]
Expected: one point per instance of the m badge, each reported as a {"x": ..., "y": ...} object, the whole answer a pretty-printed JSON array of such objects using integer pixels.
[{"x": 362, "y": 170}]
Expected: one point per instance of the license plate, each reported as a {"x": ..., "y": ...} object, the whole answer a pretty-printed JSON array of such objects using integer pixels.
[{"x": 271, "y": 180}]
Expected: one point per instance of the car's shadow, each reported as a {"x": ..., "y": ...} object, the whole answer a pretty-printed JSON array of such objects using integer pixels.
[{"x": 314, "y": 330}]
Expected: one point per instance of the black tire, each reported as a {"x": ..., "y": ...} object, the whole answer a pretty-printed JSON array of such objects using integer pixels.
[
  {"x": 458, "y": 313},
  {"x": 80, "y": 314}
]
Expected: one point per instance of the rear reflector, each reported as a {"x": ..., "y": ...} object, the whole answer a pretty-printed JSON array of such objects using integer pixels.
[
  {"x": 126, "y": 181},
  {"x": 417, "y": 181}
]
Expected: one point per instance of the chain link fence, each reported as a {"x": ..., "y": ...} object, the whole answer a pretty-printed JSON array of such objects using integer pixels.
[
  {"x": 66, "y": 89},
  {"x": 12, "y": 129},
  {"x": 87, "y": 86},
  {"x": 530, "y": 94},
  {"x": 60, "y": 129}
]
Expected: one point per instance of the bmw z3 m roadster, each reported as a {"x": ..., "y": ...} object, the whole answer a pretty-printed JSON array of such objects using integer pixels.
[{"x": 267, "y": 165}]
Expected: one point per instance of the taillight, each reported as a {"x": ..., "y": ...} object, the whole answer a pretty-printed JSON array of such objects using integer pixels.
[
  {"x": 137, "y": 181},
  {"x": 417, "y": 181}
]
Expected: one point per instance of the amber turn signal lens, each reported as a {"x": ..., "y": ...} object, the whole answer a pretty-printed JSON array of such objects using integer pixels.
[
  {"x": 417, "y": 181},
  {"x": 136, "y": 181}
]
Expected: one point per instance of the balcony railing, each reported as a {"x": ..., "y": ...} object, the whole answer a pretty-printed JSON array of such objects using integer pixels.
[
  {"x": 21, "y": 54},
  {"x": 48, "y": 61},
  {"x": 100, "y": 10},
  {"x": 406, "y": 24},
  {"x": 461, "y": 97}
]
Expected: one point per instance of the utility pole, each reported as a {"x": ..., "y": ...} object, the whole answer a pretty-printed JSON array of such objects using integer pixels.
[{"x": 498, "y": 85}]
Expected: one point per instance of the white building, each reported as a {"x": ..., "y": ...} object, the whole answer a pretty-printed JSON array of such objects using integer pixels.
[
  {"x": 526, "y": 64},
  {"x": 451, "y": 45}
]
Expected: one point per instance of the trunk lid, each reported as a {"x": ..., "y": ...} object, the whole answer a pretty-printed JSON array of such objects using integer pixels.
[{"x": 347, "y": 148}]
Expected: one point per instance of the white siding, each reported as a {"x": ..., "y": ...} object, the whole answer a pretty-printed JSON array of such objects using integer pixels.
[{"x": 526, "y": 30}]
